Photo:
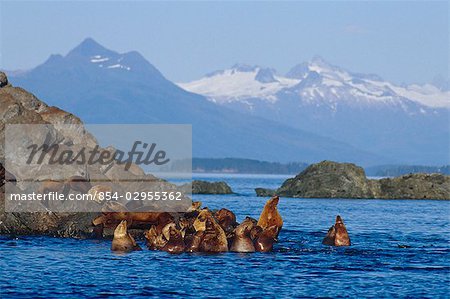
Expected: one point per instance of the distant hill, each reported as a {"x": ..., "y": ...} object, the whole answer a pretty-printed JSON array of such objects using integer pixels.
[
  {"x": 407, "y": 123},
  {"x": 235, "y": 165},
  {"x": 103, "y": 86},
  {"x": 397, "y": 170}
]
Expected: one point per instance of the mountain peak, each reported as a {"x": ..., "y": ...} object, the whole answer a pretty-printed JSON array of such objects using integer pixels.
[
  {"x": 242, "y": 67},
  {"x": 89, "y": 47}
]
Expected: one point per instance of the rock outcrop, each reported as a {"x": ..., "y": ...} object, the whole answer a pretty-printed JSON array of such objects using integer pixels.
[
  {"x": 329, "y": 179},
  {"x": 265, "y": 192},
  {"x": 204, "y": 187},
  {"x": 414, "y": 186},
  {"x": 17, "y": 106}
]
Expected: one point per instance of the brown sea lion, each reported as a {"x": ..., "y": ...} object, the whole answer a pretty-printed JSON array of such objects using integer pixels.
[
  {"x": 112, "y": 213},
  {"x": 53, "y": 186},
  {"x": 78, "y": 183},
  {"x": 337, "y": 235},
  {"x": 270, "y": 216},
  {"x": 214, "y": 238},
  {"x": 175, "y": 243},
  {"x": 155, "y": 241},
  {"x": 265, "y": 240},
  {"x": 98, "y": 193},
  {"x": 242, "y": 241},
  {"x": 123, "y": 241},
  {"x": 195, "y": 206},
  {"x": 200, "y": 221},
  {"x": 193, "y": 241},
  {"x": 226, "y": 220}
]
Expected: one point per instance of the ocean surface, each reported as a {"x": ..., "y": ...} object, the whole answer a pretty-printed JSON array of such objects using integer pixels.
[{"x": 400, "y": 248}]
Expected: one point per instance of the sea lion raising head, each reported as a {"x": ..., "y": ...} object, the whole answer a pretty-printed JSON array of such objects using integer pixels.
[
  {"x": 337, "y": 235},
  {"x": 123, "y": 241},
  {"x": 342, "y": 238},
  {"x": 270, "y": 215}
]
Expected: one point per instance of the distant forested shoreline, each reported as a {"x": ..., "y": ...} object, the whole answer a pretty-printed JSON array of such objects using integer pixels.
[{"x": 238, "y": 165}]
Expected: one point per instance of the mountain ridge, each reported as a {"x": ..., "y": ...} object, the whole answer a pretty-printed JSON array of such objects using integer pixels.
[
  {"x": 361, "y": 109},
  {"x": 104, "y": 86}
]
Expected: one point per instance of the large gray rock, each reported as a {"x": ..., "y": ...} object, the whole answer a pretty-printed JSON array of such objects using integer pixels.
[
  {"x": 414, "y": 186},
  {"x": 343, "y": 180},
  {"x": 265, "y": 192},
  {"x": 17, "y": 106},
  {"x": 328, "y": 179},
  {"x": 203, "y": 187}
]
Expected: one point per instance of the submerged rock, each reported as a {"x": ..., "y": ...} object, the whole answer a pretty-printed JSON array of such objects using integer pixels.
[{"x": 203, "y": 187}]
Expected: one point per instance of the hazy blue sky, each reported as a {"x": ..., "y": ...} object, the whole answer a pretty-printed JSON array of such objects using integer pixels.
[{"x": 401, "y": 41}]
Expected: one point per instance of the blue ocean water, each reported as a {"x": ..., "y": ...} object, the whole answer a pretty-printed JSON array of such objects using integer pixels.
[{"x": 300, "y": 266}]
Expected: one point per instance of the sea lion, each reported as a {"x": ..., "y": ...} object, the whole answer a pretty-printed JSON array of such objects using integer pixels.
[
  {"x": 193, "y": 241},
  {"x": 265, "y": 240},
  {"x": 112, "y": 212},
  {"x": 270, "y": 216},
  {"x": 214, "y": 238},
  {"x": 123, "y": 241},
  {"x": 242, "y": 241},
  {"x": 337, "y": 235},
  {"x": 226, "y": 220},
  {"x": 53, "y": 186},
  {"x": 155, "y": 241},
  {"x": 175, "y": 243},
  {"x": 200, "y": 221},
  {"x": 195, "y": 206},
  {"x": 98, "y": 193},
  {"x": 78, "y": 183}
]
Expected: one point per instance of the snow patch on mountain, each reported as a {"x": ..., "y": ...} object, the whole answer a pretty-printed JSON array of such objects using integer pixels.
[
  {"x": 314, "y": 81},
  {"x": 240, "y": 82}
]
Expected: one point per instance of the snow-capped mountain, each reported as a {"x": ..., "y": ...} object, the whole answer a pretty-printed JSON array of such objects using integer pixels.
[
  {"x": 103, "y": 86},
  {"x": 362, "y": 109},
  {"x": 315, "y": 81}
]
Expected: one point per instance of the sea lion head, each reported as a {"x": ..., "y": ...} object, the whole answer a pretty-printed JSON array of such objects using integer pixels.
[
  {"x": 121, "y": 230},
  {"x": 226, "y": 219},
  {"x": 341, "y": 237},
  {"x": 265, "y": 240},
  {"x": 96, "y": 190},
  {"x": 195, "y": 206},
  {"x": 273, "y": 202},
  {"x": 271, "y": 232},
  {"x": 255, "y": 232},
  {"x": 244, "y": 228},
  {"x": 200, "y": 221},
  {"x": 167, "y": 229}
]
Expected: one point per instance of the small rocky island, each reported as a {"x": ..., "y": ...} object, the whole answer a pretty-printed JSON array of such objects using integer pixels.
[
  {"x": 204, "y": 187},
  {"x": 329, "y": 179}
]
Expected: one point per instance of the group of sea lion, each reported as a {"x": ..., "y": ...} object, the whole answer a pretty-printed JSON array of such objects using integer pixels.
[
  {"x": 199, "y": 230},
  {"x": 203, "y": 230}
]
